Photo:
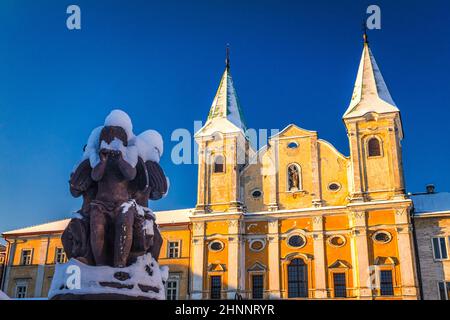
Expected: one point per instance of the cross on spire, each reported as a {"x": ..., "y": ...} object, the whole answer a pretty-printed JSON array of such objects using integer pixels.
[
  {"x": 364, "y": 27},
  {"x": 227, "y": 59}
]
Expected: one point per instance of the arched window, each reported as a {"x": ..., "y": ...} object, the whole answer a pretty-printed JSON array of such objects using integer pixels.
[
  {"x": 374, "y": 147},
  {"x": 294, "y": 177},
  {"x": 297, "y": 279},
  {"x": 219, "y": 164}
]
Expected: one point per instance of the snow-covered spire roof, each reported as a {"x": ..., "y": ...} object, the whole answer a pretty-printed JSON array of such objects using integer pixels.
[
  {"x": 371, "y": 93},
  {"x": 226, "y": 103}
]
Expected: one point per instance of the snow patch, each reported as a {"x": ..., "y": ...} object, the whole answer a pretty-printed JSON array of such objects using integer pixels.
[
  {"x": 150, "y": 145},
  {"x": 129, "y": 153},
  {"x": 119, "y": 118},
  {"x": 144, "y": 273}
]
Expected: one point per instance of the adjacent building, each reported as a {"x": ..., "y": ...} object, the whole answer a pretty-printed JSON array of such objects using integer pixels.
[
  {"x": 296, "y": 219},
  {"x": 2, "y": 260},
  {"x": 432, "y": 229}
]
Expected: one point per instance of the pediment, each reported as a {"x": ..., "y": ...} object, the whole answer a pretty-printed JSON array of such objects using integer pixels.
[
  {"x": 386, "y": 261},
  {"x": 257, "y": 267},
  {"x": 293, "y": 130},
  {"x": 217, "y": 267},
  {"x": 339, "y": 264}
]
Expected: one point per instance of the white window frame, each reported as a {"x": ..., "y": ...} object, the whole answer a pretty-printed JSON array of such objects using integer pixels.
[
  {"x": 446, "y": 289},
  {"x": 21, "y": 284},
  {"x": 178, "y": 242},
  {"x": 22, "y": 260},
  {"x": 440, "y": 248},
  {"x": 175, "y": 279},
  {"x": 63, "y": 253}
]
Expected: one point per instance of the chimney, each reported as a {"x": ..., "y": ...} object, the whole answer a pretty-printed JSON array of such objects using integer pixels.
[{"x": 431, "y": 188}]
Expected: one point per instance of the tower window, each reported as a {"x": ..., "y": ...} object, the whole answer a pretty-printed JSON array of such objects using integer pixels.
[
  {"x": 219, "y": 164},
  {"x": 374, "y": 147}
]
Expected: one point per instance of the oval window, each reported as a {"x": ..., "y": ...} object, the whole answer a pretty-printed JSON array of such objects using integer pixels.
[
  {"x": 334, "y": 186},
  {"x": 293, "y": 145},
  {"x": 257, "y": 245},
  {"x": 337, "y": 241},
  {"x": 296, "y": 241},
  {"x": 256, "y": 194},
  {"x": 382, "y": 237},
  {"x": 216, "y": 246}
]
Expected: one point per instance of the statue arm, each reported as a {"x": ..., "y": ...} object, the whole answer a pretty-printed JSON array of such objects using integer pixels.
[
  {"x": 126, "y": 169},
  {"x": 99, "y": 170}
]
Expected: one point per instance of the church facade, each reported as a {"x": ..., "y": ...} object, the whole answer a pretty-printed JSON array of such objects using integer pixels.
[{"x": 294, "y": 220}]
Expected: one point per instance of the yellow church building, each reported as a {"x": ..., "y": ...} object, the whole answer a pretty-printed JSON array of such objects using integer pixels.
[{"x": 296, "y": 219}]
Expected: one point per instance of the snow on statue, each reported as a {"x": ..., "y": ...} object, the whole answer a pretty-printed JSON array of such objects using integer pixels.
[{"x": 114, "y": 242}]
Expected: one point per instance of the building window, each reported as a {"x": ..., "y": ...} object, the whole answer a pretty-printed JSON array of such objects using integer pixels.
[
  {"x": 172, "y": 289},
  {"x": 297, "y": 279},
  {"x": 219, "y": 164},
  {"x": 257, "y": 245},
  {"x": 173, "y": 248},
  {"x": 444, "y": 290},
  {"x": 439, "y": 248},
  {"x": 386, "y": 284},
  {"x": 382, "y": 237},
  {"x": 340, "y": 286},
  {"x": 292, "y": 145},
  {"x": 296, "y": 241},
  {"x": 256, "y": 194},
  {"x": 60, "y": 255},
  {"x": 374, "y": 147},
  {"x": 257, "y": 286},
  {"x": 21, "y": 290},
  {"x": 26, "y": 257},
  {"x": 216, "y": 246},
  {"x": 337, "y": 241},
  {"x": 334, "y": 187},
  {"x": 216, "y": 287},
  {"x": 294, "y": 178}
]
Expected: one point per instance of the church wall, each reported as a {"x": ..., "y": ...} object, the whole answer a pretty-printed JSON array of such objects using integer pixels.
[{"x": 333, "y": 169}]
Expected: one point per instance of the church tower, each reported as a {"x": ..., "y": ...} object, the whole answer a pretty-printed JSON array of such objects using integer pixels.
[
  {"x": 223, "y": 151},
  {"x": 375, "y": 133}
]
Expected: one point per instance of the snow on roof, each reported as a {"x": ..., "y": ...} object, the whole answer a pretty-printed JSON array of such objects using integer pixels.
[
  {"x": 226, "y": 103},
  {"x": 431, "y": 202},
  {"x": 370, "y": 93},
  {"x": 162, "y": 217}
]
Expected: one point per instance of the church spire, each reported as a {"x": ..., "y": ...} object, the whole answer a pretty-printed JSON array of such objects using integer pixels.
[
  {"x": 370, "y": 93},
  {"x": 226, "y": 103}
]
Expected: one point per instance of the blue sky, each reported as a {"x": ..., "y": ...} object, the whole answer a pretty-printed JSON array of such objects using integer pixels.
[{"x": 161, "y": 61}]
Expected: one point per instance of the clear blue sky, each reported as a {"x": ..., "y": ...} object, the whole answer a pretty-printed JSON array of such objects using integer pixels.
[{"x": 161, "y": 61}]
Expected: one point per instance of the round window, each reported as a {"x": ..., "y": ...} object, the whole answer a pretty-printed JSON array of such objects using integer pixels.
[
  {"x": 296, "y": 241},
  {"x": 216, "y": 246},
  {"x": 337, "y": 241},
  {"x": 382, "y": 237},
  {"x": 257, "y": 245},
  {"x": 334, "y": 187},
  {"x": 256, "y": 194},
  {"x": 292, "y": 145}
]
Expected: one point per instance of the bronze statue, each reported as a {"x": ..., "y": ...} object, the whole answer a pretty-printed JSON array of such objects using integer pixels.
[{"x": 112, "y": 223}]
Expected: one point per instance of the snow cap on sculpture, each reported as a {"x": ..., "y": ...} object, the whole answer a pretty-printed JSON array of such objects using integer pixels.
[
  {"x": 119, "y": 118},
  {"x": 150, "y": 145}
]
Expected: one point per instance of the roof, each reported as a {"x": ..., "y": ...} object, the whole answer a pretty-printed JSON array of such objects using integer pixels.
[
  {"x": 370, "y": 93},
  {"x": 226, "y": 103},
  {"x": 431, "y": 203},
  {"x": 162, "y": 217}
]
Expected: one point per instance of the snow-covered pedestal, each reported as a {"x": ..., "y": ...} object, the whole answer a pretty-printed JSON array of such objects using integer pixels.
[{"x": 144, "y": 280}]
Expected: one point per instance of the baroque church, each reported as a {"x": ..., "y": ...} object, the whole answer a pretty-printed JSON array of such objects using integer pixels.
[{"x": 294, "y": 220}]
